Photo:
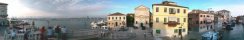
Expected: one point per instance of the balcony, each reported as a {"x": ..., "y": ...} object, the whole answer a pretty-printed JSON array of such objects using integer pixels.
[
  {"x": 208, "y": 21},
  {"x": 172, "y": 23}
]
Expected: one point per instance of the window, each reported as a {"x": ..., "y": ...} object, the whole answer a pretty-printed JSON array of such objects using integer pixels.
[
  {"x": 158, "y": 31},
  {"x": 175, "y": 31},
  {"x": 207, "y": 15},
  {"x": 108, "y": 18},
  {"x": 178, "y": 19},
  {"x": 171, "y": 11},
  {"x": 165, "y": 9},
  {"x": 136, "y": 22},
  {"x": 204, "y": 21},
  {"x": 119, "y": 17},
  {"x": 165, "y": 20},
  {"x": 184, "y": 19},
  {"x": 115, "y": 17},
  {"x": 112, "y": 17},
  {"x": 190, "y": 19},
  {"x": 201, "y": 22},
  {"x": 183, "y": 30},
  {"x": 124, "y": 17},
  {"x": 178, "y": 10},
  {"x": 157, "y": 20},
  {"x": 184, "y": 10},
  {"x": 197, "y": 22},
  {"x": 200, "y": 15},
  {"x": 157, "y": 9},
  {"x": 146, "y": 22}
]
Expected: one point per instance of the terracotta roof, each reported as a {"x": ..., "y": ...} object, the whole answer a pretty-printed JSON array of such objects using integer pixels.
[
  {"x": 116, "y": 14},
  {"x": 3, "y": 4},
  {"x": 169, "y": 3}
]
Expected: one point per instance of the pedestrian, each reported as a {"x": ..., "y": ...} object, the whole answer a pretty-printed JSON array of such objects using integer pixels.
[
  {"x": 26, "y": 35},
  {"x": 50, "y": 32},
  {"x": 64, "y": 32},
  {"x": 58, "y": 32},
  {"x": 42, "y": 32},
  {"x": 13, "y": 33}
]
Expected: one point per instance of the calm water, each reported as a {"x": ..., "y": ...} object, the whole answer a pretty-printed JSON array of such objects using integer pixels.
[{"x": 74, "y": 24}]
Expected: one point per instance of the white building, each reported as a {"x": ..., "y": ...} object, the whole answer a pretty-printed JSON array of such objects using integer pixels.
[
  {"x": 226, "y": 15},
  {"x": 218, "y": 21},
  {"x": 142, "y": 16},
  {"x": 3, "y": 14},
  {"x": 116, "y": 20}
]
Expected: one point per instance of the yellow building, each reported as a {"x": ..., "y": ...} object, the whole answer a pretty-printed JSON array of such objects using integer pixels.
[{"x": 169, "y": 20}]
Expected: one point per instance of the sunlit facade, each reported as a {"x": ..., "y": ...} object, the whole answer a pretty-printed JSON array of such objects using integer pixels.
[
  {"x": 116, "y": 20},
  {"x": 142, "y": 16},
  {"x": 169, "y": 20},
  {"x": 200, "y": 21}
]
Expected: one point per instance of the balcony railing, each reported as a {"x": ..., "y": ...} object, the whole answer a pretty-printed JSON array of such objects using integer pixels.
[
  {"x": 172, "y": 23},
  {"x": 208, "y": 21}
]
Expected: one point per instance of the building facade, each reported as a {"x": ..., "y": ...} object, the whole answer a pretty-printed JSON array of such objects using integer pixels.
[
  {"x": 142, "y": 16},
  {"x": 3, "y": 14},
  {"x": 116, "y": 20},
  {"x": 218, "y": 21},
  {"x": 226, "y": 15},
  {"x": 200, "y": 21},
  {"x": 169, "y": 20}
]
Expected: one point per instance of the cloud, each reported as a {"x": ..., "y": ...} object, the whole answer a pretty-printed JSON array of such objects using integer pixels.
[
  {"x": 236, "y": 10},
  {"x": 69, "y": 8},
  {"x": 57, "y": 8}
]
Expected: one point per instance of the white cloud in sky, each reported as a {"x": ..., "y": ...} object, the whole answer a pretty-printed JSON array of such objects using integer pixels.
[
  {"x": 235, "y": 9},
  {"x": 56, "y": 8}
]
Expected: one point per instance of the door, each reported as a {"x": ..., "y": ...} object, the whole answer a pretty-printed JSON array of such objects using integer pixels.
[
  {"x": 180, "y": 31},
  {"x": 116, "y": 23}
]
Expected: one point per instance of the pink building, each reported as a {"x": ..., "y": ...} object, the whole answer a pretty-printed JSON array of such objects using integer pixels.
[{"x": 200, "y": 21}]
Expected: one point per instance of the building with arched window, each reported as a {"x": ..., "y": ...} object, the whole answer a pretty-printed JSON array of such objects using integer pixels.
[
  {"x": 116, "y": 20},
  {"x": 142, "y": 16}
]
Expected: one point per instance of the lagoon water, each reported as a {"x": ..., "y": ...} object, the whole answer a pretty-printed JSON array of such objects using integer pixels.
[{"x": 72, "y": 24}]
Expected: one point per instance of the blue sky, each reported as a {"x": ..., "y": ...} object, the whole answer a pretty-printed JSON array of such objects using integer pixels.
[
  {"x": 192, "y": 4},
  {"x": 83, "y": 8}
]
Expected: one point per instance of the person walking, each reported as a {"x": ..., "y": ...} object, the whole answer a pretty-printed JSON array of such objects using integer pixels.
[
  {"x": 42, "y": 33},
  {"x": 50, "y": 32},
  {"x": 58, "y": 32},
  {"x": 13, "y": 33},
  {"x": 64, "y": 32},
  {"x": 26, "y": 35}
]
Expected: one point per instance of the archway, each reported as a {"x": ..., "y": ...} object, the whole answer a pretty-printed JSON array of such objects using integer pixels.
[{"x": 116, "y": 23}]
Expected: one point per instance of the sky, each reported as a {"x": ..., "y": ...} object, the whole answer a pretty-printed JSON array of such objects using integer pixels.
[{"x": 100, "y": 8}]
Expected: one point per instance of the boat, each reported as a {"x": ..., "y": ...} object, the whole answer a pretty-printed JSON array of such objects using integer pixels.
[
  {"x": 211, "y": 35},
  {"x": 94, "y": 25},
  {"x": 100, "y": 24}
]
